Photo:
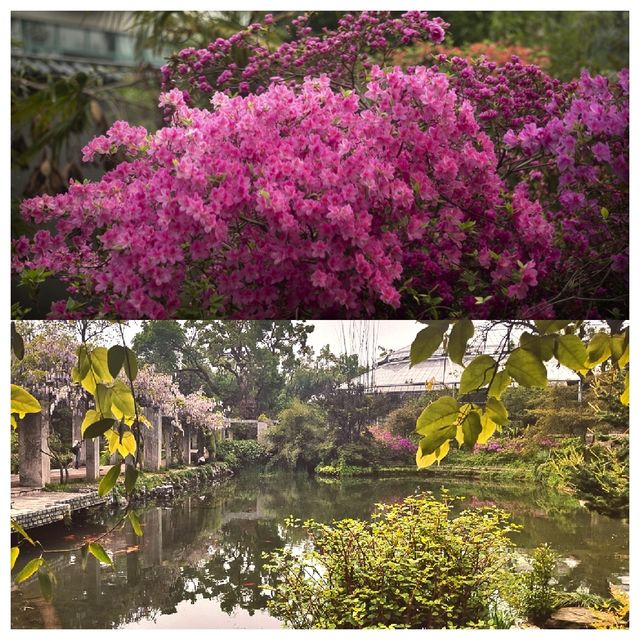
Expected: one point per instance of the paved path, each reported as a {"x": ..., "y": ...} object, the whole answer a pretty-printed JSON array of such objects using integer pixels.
[{"x": 74, "y": 474}]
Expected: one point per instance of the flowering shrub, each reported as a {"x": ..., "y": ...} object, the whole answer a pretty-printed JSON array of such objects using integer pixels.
[
  {"x": 498, "y": 52},
  {"x": 315, "y": 189},
  {"x": 397, "y": 444}
]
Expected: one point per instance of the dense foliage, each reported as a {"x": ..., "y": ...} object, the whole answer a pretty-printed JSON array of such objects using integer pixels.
[
  {"x": 412, "y": 566},
  {"x": 316, "y": 189}
]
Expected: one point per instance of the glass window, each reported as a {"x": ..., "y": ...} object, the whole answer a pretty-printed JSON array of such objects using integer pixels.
[
  {"x": 39, "y": 35},
  {"x": 102, "y": 43},
  {"x": 72, "y": 39}
]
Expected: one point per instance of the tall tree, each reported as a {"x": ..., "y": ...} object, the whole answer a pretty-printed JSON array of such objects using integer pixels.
[{"x": 245, "y": 363}]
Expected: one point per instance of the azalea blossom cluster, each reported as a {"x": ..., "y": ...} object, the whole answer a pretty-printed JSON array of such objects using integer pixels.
[
  {"x": 468, "y": 186},
  {"x": 341, "y": 54},
  {"x": 395, "y": 443}
]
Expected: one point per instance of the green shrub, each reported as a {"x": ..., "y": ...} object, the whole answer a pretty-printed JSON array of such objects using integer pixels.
[
  {"x": 300, "y": 439},
  {"x": 412, "y": 566},
  {"x": 242, "y": 454},
  {"x": 602, "y": 481},
  {"x": 540, "y": 598}
]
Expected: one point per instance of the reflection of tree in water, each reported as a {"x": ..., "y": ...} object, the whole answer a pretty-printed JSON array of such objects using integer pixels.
[
  {"x": 234, "y": 572},
  {"x": 210, "y": 546}
]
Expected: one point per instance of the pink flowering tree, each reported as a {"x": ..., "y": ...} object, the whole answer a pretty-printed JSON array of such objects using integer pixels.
[{"x": 310, "y": 188}]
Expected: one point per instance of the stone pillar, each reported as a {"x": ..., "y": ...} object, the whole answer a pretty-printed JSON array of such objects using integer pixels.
[
  {"x": 186, "y": 444},
  {"x": 152, "y": 441},
  {"x": 92, "y": 448},
  {"x": 35, "y": 466},
  {"x": 76, "y": 434},
  {"x": 261, "y": 436},
  {"x": 167, "y": 433}
]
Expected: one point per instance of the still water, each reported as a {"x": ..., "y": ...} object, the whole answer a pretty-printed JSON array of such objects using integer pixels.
[{"x": 199, "y": 563}]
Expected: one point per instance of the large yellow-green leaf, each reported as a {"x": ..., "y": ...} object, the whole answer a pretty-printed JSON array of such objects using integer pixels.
[
  {"x": 571, "y": 352},
  {"x": 124, "y": 444},
  {"x": 98, "y": 428},
  {"x": 422, "y": 460},
  {"x": 98, "y": 552},
  {"x": 499, "y": 384},
  {"x": 104, "y": 399},
  {"x": 46, "y": 580},
  {"x": 488, "y": 428},
  {"x": 135, "y": 523},
  {"x": 427, "y": 341},
  {"x": 434, "y": 438},
  {"x": 541, "y": 346},
  {"x": 497, "y": 412},
  {"x": 22, "y": 402},
  {"x": 29, "y": 569},
  {"x": 526, "y": 368},
  {"x": 477, "y": 373},
  {"x": 130, "y": 477},
  {"x": 551, "y": 326},
  {"x": 83, "y": 365},
  {"x": 440, "y": 413},
  {"x": 471, "y": 428},
  {"x": 460, "y": 335},
  {"x": 624, "y": 397},
  {"x": 620, "y": 348},
  {"x": 442, "y": 451},
  {"x": 109, "y": 481},
  {"x": 100, "y": 364},
  {"x": 15, "y": 552},
  {"x": 598, "y": 349},
  {"x": 123, "y": 399}
]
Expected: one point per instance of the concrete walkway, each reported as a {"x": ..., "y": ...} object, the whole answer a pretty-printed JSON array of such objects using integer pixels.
[{"x": 33, "y": 507}]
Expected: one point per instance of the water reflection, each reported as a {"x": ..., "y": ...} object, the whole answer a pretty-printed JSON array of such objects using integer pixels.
[{"x": 199, "y": 563}]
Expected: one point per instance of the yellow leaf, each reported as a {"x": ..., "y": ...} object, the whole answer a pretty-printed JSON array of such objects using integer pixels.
[
  {"x": 113, "y": 440},
  {"x": 89, "y": 418},
  {"x": 15, "y": 552},
  {"x": 127, "y": 444},
  {"x": 424, "y": 461},
  {"x": 488, "y": 429},
  {"x": 22, "y": 402}
]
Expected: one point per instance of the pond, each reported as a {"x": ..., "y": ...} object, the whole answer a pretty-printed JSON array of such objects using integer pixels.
[{"x": 199, "y": 563}]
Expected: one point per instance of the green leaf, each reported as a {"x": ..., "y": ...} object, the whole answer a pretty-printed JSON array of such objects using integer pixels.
[
  {"x": 98, "y": 428},
  {"x": 83, "y": 365},
  {"x": 571, "y": 352},
  {"x": 123, "y": 399},
  {"x": 618, "y": 344},
  {"x": 22, "y": 402},
  {"x": 104, "y": 400},
  {"x": 135, "y": 523},
  {"x": 29, "y": 569},
  {"x": 624, "y": 397},
  {"x": 526, "y": 368},
  {"x": 598, "y": 349},
  {"x": 16, "y": 526},
  {"x": 17, "y": 343},
  {"x": 604, "y": 212},
  {"x": 423, "y": 461},
  {"x": 115, "y": 359},
  {"x": 460, "y": 335},
  {"x": 46, "y": 584},
  {"x": 436, "y": 437},
  {"x": 551, "y": 326},
  {"x": 130, "y": 364},
  {"x": 98, "y": 552},
  {"x": 488, "y": 428},
  {"x": 442, "y": 412},
  {"x": 130, "y": 477},
  {"x": 497, "y": 412},
  {"x": 499, "y": 384},
  {"x": 471, "y": 428},
  {"x": 427, "y": 341},
  {"x": 15, "y": 552},
  {"x": 109, "y": 481},
  {"x": 477, "y": 373},
  {"x": 100, "y": 365},
  {"x": 542, "y": 346}
]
